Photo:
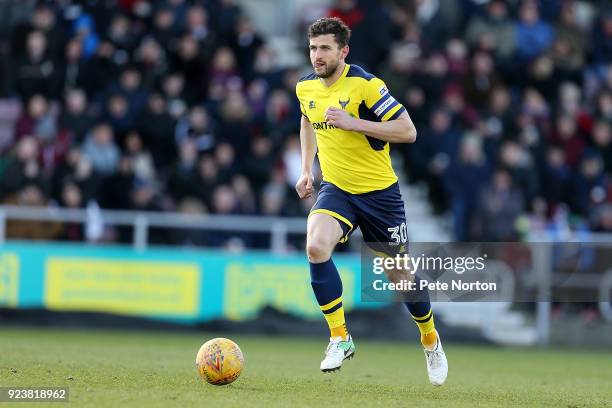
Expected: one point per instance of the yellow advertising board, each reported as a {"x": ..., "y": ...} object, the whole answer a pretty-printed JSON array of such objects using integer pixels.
[{"x": 122, "y": 286}]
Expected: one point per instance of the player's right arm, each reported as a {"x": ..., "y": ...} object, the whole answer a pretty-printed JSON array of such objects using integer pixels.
[{"x": 308, "y": 142}]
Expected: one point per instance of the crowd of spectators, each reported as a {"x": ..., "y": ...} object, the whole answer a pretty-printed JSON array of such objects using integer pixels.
[
  {"x": 144, "y": 105},
  {"x": 179, "y": 105},
  {"x": 513, "y": 105}
]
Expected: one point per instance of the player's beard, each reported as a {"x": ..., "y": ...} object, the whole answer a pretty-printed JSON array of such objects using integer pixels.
[{"x": 329, "y": 70}]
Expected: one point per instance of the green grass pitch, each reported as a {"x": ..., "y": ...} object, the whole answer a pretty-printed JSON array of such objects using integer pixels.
[{"x": 152, "y": 369}]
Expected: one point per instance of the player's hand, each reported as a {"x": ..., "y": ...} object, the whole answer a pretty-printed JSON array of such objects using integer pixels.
[
  {"x": 304, "y": 185},
  {"x": 340, "y": 118}
]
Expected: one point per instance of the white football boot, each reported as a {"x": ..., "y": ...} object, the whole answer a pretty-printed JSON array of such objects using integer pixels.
[
  {"x": 437, "y": 365},
  {"x": 337, "y": 351}
]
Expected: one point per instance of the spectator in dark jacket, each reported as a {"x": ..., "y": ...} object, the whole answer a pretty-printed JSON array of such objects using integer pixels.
[
  {"x": 464, "y": 179},
  {"x": 499, "y": 207}
]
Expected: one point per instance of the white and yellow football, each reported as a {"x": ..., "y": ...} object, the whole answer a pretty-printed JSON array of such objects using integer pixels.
[{"x": 220, "y": 361}]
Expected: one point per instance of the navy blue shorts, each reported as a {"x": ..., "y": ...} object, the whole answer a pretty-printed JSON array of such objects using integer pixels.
[{"x": 380, "y": 215}]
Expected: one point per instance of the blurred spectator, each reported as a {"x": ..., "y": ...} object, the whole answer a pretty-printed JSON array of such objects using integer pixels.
[
  {"x": 589, "y": 186},
  {"x": 556, "y": 176},
  {"x": 193, "y": 64},
  {"x": 118, "y": 188},
  {"x": 120, "y": 35},
  {"x": 493, "y": 31},
  {"x": 234, "y": 124},
  {"x": 402, "y": 64},
  {"x": 434, "y": 76},
  {"x": 173, "y": 88},
  {"x": 164, "y": 27},
  {"x": 142, "y": 161},
  {"x": 117, "y": 115},
  {"x": 224, "y": 200},
  {"x": 16, "y": 23},
  {"x": 500, "y": 112},
  {"x": 480, "y": 80},
  {"x": 544, "y": 77},
  {"x": 157, "y": 129},
  {"x": 602, "y": 142},
  {"x": 101, "y": 150},
  {"x": 245, "y": 42},
  {"x": 602, "y": 38},
  {"x": 499, "y": 207},
  {"x": 150, "y": 58},
  {"x": 244, "y": 195},
  {"x": 224, "y": 72},
  {"x": 37, "y": 115},
  {"x": 22, "y": 168},
  {"x": 76, "y": 168},
  {"x": 259, "y": 162},
  {"x": 130, "y": 87},
  {"x": 196, "y": 126},
  {"x": 181, "y": 183},
  {"x": 438, "y": 19},
  {"x": 533, "y": 35},
  {"x": 570, "y": 45},
  {"x": 85, "y": 29},
  {"x": 257, "y": 95},
  {"x": 566, "y": 135},
  {"x": 206, "y": 180},
  {"x": 75, "y": 116},
  {"x": 198, "y": 29},
  {"x": 225, "y": 156},
  {"x": 603, "y": 105},
  {"x": 179, "y": 9},
  {"x": 71, "y": 73},
  {"x": 272, "y": 200},
  {"x": 601, "y": 219},
  {"x": 145, "y": 198},
  {"x": 464, "y": 179},
  {"x": 72, "y": 197},
  {"x": 280, "y": 116},
  {"x": 36, "y": 70},
  {"x": 432, "y": 155},
  {"x": 416, "y": 100},
  {"x": 515, "y": 158}
]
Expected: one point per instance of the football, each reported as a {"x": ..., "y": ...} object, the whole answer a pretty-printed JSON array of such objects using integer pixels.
[{"x": 220, "y": 361}]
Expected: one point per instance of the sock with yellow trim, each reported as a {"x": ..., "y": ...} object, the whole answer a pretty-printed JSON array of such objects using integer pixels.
[
  {"x": 425, "y": 323},
  {"x": 327, "y": 288}
]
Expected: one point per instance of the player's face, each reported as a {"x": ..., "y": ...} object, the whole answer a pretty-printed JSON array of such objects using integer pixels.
[{"x": 326, "y": 55}]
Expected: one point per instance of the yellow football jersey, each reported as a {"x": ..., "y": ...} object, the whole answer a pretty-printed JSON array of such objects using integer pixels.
[{"x": 354, "y": 162}]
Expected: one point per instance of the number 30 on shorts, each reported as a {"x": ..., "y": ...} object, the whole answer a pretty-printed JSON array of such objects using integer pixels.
[{"x": 399, "y": 234}]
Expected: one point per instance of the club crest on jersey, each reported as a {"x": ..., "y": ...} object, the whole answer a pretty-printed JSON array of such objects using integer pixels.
[
  {"x": 344, "y": 103},
  {"x": 311, "y": 105}
]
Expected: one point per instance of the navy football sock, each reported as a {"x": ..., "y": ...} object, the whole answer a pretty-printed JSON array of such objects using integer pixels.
[
  {"x": 325, "y": 282},
  {"x": 327, "y": 288}
]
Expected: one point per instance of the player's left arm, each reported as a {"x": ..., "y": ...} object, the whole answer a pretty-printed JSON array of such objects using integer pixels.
[{"x": 395, "y": 124}]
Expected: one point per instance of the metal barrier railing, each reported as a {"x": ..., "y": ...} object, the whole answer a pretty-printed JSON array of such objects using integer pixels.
[{"x": 277, "y": 227}]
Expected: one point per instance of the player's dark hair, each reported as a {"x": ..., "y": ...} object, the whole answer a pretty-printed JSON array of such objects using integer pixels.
[{"x": 331, "y": 25}]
